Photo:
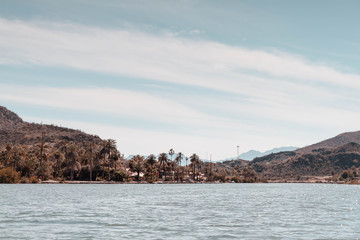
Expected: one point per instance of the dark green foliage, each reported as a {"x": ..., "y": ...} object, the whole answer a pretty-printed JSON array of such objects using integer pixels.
[
  {"x": 163, "y": 161},
  {"x": 136, "y": 164},
  {"x": 349, "y": 174},
  {"x": 119, "y": 176},
  {"x": 345, "y": 175},
  {"x": 84, "y": 173},
  {"x": 220, "y": 177}
]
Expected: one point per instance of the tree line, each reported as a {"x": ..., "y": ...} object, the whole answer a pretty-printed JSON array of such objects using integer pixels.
[{"x": 68, "y": 161}]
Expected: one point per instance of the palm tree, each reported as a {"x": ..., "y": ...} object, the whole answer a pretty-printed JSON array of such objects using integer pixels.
[
  {"x": 108, "y": 146},
  {"x": 136, "y": 164},
  {"x": 172, "y": 164},
  {"x": 57, "y": 156},
  {"x": 199, "y": 165},
  {"x": 42, "y": 146},
  {"x": 151, "y": 160},
  {"x": 63, "y": 148},
  {"x": 90, "y": 151},
  {"x": 186, "y": 165},
  {"x": 16, "y": 157},
  {"x": 178, "y": 160},
  {"x": 115, "y": 157},
  {"x": 163, "y": 159},
  {"x": 150, "y": 170},
  {"x": 171, "y": 153},
  {"x": 194, "y": 159},
  {"x": 72, "y": 161}
]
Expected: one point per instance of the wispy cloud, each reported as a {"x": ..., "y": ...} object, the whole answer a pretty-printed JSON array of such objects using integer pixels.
[
  {"x": 134, "y": 141},
  {"x": 220, "y": 130},
  {"x": 162, "y": 58},
  {"x": 107, "y": 100},
  {"x": 265, "y": 86},
  {"x": 266, "y": 76}
]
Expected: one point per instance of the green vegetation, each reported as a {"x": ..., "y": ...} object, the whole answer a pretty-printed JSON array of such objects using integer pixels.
[
  {"x": 71, "y": 161},
  {"x": 101, "y": 161}
]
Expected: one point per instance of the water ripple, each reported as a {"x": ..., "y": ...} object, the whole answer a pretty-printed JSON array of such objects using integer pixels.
[{"x": 206, "y": 211}]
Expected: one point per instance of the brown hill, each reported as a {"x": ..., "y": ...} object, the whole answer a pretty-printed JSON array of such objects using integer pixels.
[
  {"x": 325, "y": 158},
  {"x": 8, "y": 119},
  {"x": 15, "y": 131},
  {"x": 320, "y": 163},
  {"x": 334, "y": 142}
]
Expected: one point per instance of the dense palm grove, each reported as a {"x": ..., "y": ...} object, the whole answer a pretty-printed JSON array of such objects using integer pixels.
[
  {"x": 31, "y": 152},
  {"x": 103, "y": 162}
]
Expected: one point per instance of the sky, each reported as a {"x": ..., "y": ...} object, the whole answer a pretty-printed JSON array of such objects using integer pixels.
[{"x": 198, "y": 76}]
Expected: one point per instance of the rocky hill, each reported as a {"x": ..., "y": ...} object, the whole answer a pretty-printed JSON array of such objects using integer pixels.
[
  {"x": 325, "y": 158},
  {"x": 15, "y": 131},
  {"x": 8, "y": 119},
  {"x": 322, "y": 162},
  {"x": 334, "y": 142}
]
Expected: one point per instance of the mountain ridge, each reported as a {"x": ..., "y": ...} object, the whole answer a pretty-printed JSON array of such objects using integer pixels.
[
  {"x": 251, "y": 154},
  {"x": 326, "y": 158},
  {"x": 333, "y": 142}
]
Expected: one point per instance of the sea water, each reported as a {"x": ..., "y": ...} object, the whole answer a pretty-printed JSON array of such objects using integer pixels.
[{"x": 180, "y": 211}]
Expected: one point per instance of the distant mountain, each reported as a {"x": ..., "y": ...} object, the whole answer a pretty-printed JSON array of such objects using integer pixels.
[
  {"x": 250, "y": 155},
  {"x": 334, "y": 142}
]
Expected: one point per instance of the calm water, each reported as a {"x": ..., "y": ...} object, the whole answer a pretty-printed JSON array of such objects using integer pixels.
[{"x": 197, "y": 211}]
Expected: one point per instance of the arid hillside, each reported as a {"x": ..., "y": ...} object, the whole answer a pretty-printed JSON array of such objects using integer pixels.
[
  {"x": 326, "y": 158},
  {"x": 334, "y": 142},
  {"x": 15, "y": 131}
]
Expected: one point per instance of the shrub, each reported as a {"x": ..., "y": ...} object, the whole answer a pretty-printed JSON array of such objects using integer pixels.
[
  {"x": 33, "y": 179},
  {"x": 8, "y": 175},
  {"x": 219, "y": 177},
  {"x": 118, "y": 176},
  {"x": 24, "y": 180},
  {"x": 248, "y": 180},
  {"x": 44, "y": 172},
  {"x": 262, "y": 180},
  {"x": 236, "y": 179},
  {"x": 345, "y": 175}
]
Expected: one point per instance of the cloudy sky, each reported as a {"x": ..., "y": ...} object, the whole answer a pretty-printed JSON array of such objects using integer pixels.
[{"x": 197, "y": 76}]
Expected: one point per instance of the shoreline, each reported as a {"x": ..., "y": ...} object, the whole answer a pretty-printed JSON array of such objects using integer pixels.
[{"x": 163, "y": 182}]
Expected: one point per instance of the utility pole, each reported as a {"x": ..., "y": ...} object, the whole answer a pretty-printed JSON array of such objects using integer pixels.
[{"x": 237, "y": 156}]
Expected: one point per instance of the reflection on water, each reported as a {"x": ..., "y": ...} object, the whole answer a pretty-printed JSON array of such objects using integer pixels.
[{"x": 184, "y": 211}]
